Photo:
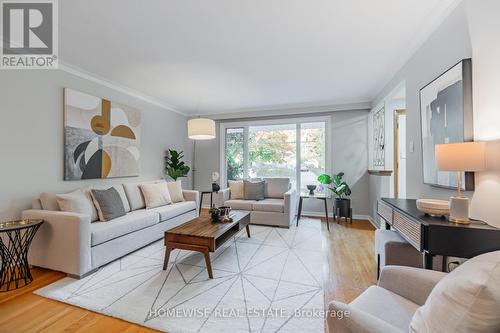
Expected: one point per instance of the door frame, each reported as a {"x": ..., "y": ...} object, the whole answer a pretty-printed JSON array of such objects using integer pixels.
[{"x": 397, "y": 113}]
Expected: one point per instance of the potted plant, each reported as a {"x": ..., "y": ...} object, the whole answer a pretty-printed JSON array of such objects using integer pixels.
[
  {"x": 174, "y": 166},
  {"x": 215, "y": 213},
  {"x": 341, "y": 189}
]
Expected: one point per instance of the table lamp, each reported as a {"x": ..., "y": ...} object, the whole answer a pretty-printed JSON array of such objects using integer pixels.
[{"x": 459, "y": 157}]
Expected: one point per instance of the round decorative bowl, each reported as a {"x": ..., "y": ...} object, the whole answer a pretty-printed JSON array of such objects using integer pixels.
[
  {"x": 434, "y": 207},
  {"x": 311, "y": 189}
]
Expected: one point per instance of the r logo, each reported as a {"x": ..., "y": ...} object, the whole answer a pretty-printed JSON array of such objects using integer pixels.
[{"x": 27, "y": 28}]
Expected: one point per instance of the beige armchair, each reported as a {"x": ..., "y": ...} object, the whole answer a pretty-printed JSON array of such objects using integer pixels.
[
  {"x": 409, "y": 299},
  {"x": 388, "y": 307}
]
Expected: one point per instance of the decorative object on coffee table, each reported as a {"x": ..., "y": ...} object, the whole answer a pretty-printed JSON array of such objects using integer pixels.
[
  {"x": 311, "y": 189},
  {"x": 341, "y": 204},
  {"x": 201, "y": 235},
  {"x": 174, "y": 166},
  {"x": 15, "y": 271},
  {"x": 215, "y": 213},
  {"x": 320, "y": 196}
]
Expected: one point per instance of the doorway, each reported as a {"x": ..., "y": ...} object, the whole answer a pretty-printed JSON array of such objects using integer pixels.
[{"x": 400, "y": 153}]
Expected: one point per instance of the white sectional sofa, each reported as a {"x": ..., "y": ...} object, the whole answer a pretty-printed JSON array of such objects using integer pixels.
[
  {"x": 71, "y": 243},
  {"x": 277, "y": 209}
]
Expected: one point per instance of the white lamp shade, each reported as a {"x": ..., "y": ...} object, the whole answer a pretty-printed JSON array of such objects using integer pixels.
[
  {"x": 465, "y": 156},
  {"x": 201, "y": 129}
]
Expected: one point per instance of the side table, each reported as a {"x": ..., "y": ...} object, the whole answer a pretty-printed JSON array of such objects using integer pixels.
[
  {"x": 15, "y": 240},
  {"x": 319, "y": 196},
  {"x": 201, "y": 199}
]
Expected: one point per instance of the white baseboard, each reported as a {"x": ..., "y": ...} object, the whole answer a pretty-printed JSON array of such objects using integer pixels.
[{"x": 322, "y": 214}]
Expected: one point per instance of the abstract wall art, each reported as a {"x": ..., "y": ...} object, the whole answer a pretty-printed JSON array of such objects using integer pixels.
[
  {"x": 379, "y": 138},
  {"x": 101, "y": 138},
  {"x": 446, "y": 117}
]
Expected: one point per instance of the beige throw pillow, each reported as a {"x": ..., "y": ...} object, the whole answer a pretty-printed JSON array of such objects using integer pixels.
[
  {"x": 175, "y": 191},
  {"x": 155, "y": 195},
  {"x": 466, "y": 300},
  {"x": 79, "y": 202},
  {"x": 236, "y": 188}
]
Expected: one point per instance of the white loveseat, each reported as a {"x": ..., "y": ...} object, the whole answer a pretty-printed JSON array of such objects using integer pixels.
[
  {"x": 277, "y": 209},
  {"x": 71, "y": 243}
]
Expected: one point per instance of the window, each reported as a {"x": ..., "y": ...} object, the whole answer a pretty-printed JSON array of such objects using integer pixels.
[
  {"x": 295, "y": 149},
  {"x": 234, "y": 153},
  {"x": 312, "y": 153}
]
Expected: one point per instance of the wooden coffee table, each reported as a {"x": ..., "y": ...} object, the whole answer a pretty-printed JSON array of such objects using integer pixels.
[{"x": 202, "y": 235}]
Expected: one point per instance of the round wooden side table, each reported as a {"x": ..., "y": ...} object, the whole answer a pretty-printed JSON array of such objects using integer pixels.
[{"x": 15, "y": 240}]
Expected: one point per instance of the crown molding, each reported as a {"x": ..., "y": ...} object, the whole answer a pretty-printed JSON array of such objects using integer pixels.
[
  {"x": 81, "y": 73},
  {"x": 291, "y": 109}
]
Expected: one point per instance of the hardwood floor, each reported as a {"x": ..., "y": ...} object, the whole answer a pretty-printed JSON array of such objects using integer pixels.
[{"x": 349, "y": 269}]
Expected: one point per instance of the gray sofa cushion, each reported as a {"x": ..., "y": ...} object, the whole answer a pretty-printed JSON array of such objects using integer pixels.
[
  {"x": 169, "y": 211},
  {"x": 101, "y": 232},
  {"x": 276, "y": 187},
  {"x": 108, "y": 203},
  {"x": 121, "y": 191},
  {"x": 269, "y": 205},
  {"x": 240, "y": 204},
  {"x": 385, "y": 305},
  {"x": 253, "y": 190}
]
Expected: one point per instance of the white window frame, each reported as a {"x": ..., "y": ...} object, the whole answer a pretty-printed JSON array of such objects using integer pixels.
[{"x": 296, "y": 121}]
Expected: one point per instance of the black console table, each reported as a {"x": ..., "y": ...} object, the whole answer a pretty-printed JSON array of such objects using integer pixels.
[{"x": 435, "y": 235}]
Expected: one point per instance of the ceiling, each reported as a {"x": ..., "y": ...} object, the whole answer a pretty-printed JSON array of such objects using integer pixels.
[{"x": 222, "y": 56}]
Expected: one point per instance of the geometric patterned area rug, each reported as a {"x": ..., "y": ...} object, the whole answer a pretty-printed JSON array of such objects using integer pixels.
[{"x": 271, "y": 282}]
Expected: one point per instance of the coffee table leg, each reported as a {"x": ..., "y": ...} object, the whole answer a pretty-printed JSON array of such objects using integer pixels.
[
  {"x": 167, "y": 257},
  {"x": 248, "y": 230},
  {"x": 208, "y": 263}
]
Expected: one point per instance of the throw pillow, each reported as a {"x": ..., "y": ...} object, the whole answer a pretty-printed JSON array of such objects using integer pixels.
[
  {"x": 175, "y": 191},
  {"x": 236, "y": 188},
  {"x": 78, "y": 202},
  {"x": 254, "y": 190},
  {"x": 155, "y": 195},
  {"x": 49, "y": 201},
  {"x": 466, "y": 300},
  {"x": 121, "y": 191},
  {"x": 277, "y": 187},
  {"x": 109, "y": 204}
]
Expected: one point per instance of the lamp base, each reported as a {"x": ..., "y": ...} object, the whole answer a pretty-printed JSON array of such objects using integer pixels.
[{"x": 459, "y": 210}]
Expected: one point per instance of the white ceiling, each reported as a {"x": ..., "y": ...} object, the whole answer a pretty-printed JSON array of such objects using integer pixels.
[{"x": 220, "y": 56}]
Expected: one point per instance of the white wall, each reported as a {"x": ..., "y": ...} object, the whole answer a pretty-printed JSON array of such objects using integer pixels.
[
  {"x": 31, "y": 135},
  {"x": 484, "y": 29},
  {"x": 471, "y": 30},
  {"x": 349, "y": 145}
]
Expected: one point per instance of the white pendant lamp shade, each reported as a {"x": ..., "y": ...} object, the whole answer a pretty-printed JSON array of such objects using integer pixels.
[{"x": 201, "y": 129}]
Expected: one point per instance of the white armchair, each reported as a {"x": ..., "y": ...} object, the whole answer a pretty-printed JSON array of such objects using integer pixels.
[
  {"x": 409, "y": 299},
  {"x": 387, "y": 307}
]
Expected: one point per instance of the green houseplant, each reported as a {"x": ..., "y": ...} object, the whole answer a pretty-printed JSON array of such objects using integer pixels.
[
  {"x": 341, "y": 189},
  {"x": 174, "y": 166}
]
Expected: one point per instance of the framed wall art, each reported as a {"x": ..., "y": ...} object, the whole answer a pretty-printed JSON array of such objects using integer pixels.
[
  {"x": 446, "y": 117},
  {"x": 101, "y": 137}
]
